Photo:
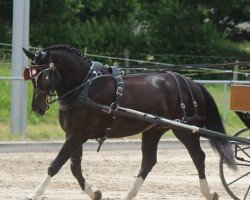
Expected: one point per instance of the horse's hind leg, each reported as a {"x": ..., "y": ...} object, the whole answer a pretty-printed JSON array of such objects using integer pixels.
[
  {"x": 76, "y": 170},
  {"x": 150, "y": 140},
  {"x": 192, "y": 143}
]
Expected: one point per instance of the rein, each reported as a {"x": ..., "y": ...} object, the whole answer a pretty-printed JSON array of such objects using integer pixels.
[{"x": 93, "y": 72}]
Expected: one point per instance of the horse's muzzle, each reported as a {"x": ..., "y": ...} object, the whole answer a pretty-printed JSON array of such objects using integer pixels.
[{"x": 39, "y": 111}]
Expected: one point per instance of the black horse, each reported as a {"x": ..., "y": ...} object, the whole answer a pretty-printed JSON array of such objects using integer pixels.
[{"x": 82, "y": 86}]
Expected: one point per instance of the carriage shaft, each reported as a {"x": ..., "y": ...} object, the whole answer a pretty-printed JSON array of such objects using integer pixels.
[{"x": 131, "y": 113}]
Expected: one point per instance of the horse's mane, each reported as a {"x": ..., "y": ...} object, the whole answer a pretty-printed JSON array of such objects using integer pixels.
[{"x": 67, "y": 48}]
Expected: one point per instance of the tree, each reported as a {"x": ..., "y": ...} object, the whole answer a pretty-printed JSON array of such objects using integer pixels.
[
  {"x": 162, "y": 26},
  {"x": 5, "y": 21},
  {"x": 229, "y": 17}
]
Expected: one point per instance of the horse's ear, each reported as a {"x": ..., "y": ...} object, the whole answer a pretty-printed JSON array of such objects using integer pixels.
[
  {"x": 43, "y": 55},
  {"x": 26, "y": 74},
  {"x": 29, "y": 54}
]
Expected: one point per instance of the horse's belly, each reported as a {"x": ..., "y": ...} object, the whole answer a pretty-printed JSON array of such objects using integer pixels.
[{"x": 123, "y": 127}]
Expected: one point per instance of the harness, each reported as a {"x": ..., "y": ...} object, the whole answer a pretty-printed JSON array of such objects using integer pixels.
[
  {"x": 186, "y": 118},
  {"x": 79, "y": 95},
  {"x": 45, "y": 71}
]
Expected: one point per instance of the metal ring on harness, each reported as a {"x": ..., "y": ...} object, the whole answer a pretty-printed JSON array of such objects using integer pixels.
[
  {"x": 114, "y": 106},
  {"x": 119, "y": 91}
]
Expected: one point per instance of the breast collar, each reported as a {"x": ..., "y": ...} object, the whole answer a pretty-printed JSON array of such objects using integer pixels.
[{"x": 78, "y": 97}]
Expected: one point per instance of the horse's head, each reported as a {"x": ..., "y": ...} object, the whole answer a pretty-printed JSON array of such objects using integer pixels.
[
  {"x": 56, "y": 69},
  {"x": 45, "y": 78}
]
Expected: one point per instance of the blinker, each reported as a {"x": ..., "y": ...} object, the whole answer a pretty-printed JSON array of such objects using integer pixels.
[{"x": 33, "y": 72}]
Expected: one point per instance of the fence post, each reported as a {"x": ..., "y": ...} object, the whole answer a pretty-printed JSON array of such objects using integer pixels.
[
  {"x": 126, "y": 54},
  {"x": 225, "y": 103},
  {"x": 236, "y": 69},
  {"x": 20, "y": 38}
]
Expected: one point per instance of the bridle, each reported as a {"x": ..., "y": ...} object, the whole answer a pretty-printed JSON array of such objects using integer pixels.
[{"x": 56, "y": 80}]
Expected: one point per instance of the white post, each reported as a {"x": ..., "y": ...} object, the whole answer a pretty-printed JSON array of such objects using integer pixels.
[
  {"x": 236, "y": 68},
  {"x": 20, "y": 37},
  {"x": 126, "y": 54},
  {"x": 225, "y": 105}
]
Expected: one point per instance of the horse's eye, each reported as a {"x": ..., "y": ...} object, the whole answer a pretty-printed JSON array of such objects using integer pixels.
[{"x": 46, "y": 77}]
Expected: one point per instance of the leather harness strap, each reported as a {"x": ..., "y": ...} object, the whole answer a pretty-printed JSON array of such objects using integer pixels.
[
  {"x": 79, "y": 97},
  {"x": 117, "y": 75},
  {"x": 186, "y": 118}
]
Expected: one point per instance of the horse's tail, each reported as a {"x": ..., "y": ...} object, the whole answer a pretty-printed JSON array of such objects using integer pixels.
[{"x": 214, "y": 122}]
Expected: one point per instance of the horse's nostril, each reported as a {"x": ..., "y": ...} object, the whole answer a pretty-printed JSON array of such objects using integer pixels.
[{"x": 39, "y": 111}]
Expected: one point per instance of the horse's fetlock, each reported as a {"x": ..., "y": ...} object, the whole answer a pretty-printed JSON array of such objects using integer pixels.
[
  {"x": 52, "y": 170},
  {"x": 98, "y": 195}
]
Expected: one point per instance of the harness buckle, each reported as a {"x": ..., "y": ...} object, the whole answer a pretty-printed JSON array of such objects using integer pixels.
[
  {"x": 119, "y": 91},
  {"x": 178, "y": 120},
  {"x": 48, "y": 100},
  {"x": 114, "y": 106},
  {"x": 183, "y": 105},
  {"x": 185, "y": 120},
  {"x": 98, "y": 73}
]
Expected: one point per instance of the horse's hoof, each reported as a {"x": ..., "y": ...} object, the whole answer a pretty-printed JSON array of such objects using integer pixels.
[
  {"x": 215, "y": 196},
  {"x": 30, "y": 197},
  {"x": 98, "y": 195}
]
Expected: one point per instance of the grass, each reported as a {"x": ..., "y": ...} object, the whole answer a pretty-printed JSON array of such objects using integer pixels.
[
  {"x": 48, "y": 128},
  {"x": 232, "y": 123}
]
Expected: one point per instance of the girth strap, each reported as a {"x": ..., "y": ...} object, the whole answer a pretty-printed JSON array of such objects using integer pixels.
[{"x": 117, "y": 75}]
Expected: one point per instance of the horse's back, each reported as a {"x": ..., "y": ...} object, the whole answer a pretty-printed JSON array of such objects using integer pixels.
[{"x": 162, "y": 94}]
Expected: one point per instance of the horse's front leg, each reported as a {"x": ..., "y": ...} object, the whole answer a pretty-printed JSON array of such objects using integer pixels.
[
  {"x": 71, "y": 144},
  {"x": 77, "y": 172}
]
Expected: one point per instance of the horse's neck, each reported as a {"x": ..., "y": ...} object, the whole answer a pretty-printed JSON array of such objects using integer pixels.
[{"x": 72, "y": 75}]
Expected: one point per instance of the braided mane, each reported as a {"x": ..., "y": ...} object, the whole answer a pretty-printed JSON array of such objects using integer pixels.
[{"x": 67, "y": 48}]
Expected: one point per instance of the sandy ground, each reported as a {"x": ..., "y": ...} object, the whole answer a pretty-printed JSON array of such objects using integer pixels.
[{"x": 173, "y": 178}]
